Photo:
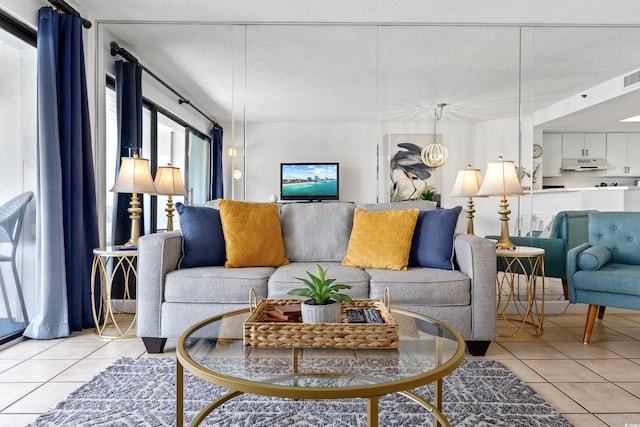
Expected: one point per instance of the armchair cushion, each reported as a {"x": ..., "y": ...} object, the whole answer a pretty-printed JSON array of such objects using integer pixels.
[
  {"x": 594, "y": 257},
  {"x": 572, "y": 226},
  {"x": 203, "y": 242},
  {"x": 555, "y": 254}
]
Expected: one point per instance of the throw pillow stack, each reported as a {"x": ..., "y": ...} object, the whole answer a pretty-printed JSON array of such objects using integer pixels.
[
  {"x": 237, "y": 234},
  {"x": 395, "y": 239},
  {"x": 245, "y": 234}
]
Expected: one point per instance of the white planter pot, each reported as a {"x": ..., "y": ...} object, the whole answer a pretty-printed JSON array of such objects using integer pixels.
[{"x": 327, "y": 313}]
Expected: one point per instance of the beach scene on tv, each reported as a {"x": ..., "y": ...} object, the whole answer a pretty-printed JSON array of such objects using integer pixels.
[{"x": 310, "y": 180}]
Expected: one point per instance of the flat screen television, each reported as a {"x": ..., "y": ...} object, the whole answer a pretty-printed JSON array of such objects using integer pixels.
[{"x": 309, "y": 181}]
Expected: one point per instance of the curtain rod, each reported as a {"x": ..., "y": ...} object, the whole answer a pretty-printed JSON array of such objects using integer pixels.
[
  {"x": 125, "y": 54},
  {"x": 66, "y": 8}
]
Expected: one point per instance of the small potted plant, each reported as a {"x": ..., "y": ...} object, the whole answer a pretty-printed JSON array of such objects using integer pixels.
[
  {"x": 323, "y": 299},
  {"x": 429, "y": 193}
]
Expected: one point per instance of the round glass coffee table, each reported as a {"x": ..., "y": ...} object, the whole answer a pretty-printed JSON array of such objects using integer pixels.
[{"x": 213, "y": 350}]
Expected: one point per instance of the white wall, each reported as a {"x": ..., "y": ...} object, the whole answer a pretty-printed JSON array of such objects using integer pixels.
[
  {"x": 494, "y": 138},
  {"x": 353, "y": 145}
]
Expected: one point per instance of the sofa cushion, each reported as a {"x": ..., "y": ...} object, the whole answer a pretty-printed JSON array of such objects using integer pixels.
[
  {"x": 381, "y": 239},
  {"x": 202, "y": 238},
  {"x": 316, "y": 231},
  {"x": 432, "y": 244},
  {"x": 594, "y": 257},
  {"x": 421, "y": 286},
  {"x": 216, "y": 284},
  {"x": 284, "y": 278},
  {"x": 252, "y": 234}
]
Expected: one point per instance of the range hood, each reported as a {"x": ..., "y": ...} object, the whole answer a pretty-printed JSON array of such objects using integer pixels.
[{"x": 584, "y": 164}]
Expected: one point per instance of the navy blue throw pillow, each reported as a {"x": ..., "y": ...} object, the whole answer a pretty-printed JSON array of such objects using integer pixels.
[
  {"x": 203, "y": 241},
  {"x": 432, "y": 244}
]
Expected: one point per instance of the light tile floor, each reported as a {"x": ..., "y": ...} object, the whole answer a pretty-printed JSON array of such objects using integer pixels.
[{"x": 591, "y": 385}]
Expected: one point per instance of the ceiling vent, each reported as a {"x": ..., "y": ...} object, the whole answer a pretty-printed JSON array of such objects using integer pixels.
[{"x": 632, "y": 79}]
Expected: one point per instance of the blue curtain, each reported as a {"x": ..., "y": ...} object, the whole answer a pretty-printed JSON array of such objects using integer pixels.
[
  {"x": 216, "y": 164},
  {"x": 67, "y": 219},
  {"x": 129, "y": 113}
]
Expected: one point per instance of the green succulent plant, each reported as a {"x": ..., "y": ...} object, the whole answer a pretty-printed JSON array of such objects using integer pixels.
[
  {"x": 320, "y": 289},
  {"x": 428, "y": 194}
]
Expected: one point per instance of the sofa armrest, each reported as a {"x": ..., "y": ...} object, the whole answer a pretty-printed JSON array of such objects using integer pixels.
[
  {"x": 476, "y": 257},
  {"x": 158, "y": 254},
  {"x": 572, "y": 266}
]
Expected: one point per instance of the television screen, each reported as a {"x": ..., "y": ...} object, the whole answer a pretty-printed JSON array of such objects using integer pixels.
[{"x": 309, "y": 181}]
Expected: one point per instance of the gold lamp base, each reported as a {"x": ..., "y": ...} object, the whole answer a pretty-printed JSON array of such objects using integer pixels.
[
  {"x": 470, "y": 211},
  {"x": 169, "y": 210},
  {"x": 134, "y": 216},
  {"x": 504, "y": 242}
]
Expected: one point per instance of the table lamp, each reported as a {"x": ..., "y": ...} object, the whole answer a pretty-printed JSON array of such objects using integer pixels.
[
  {"x": 467, "y": 184},
  {"x": 168, "y": 182},
  {"x": 502, "y": 180},
  {"x": 134, "y": 177}
]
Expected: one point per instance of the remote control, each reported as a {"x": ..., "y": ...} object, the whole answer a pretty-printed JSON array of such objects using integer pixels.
[
  {"x": 372, "y": 315},
  {"x": 355, "y": 316}
]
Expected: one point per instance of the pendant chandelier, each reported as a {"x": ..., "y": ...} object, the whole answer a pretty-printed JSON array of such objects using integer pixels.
[{"x": 435, "y": 154}]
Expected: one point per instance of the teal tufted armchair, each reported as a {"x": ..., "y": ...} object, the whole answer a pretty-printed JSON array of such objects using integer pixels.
[
  {"x": 568, "y": 229},
  {"x": 605, "y": 271}
]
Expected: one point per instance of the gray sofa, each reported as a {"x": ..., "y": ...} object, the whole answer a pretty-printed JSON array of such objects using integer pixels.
[{"x": 170, "y": 299}]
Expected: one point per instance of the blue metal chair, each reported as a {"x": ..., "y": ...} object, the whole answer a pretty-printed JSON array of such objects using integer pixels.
[
  {"x": 569, "y": 229},
  {"x": 605, "y": 271},
  {"x": 11, "y": 216}
]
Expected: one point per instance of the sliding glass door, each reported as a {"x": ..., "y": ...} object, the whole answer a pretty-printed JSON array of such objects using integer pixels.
[{"x": 17, "y": 176}]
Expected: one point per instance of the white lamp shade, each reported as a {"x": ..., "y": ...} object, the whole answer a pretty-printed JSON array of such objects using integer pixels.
[
  {"x": 169, "y": 182},
  {"x": 500, "y": 179},
  {"x": 134, "y": 176},
  {"x": 467, "y": 183}
]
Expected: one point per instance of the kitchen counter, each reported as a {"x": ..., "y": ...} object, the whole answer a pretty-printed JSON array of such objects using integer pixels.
[
  {"x": 566, "y": 190},
  {"x": 552, "y": 200}
]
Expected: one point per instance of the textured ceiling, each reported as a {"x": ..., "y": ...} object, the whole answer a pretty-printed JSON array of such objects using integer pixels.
[{"x": 369, "y": 72}]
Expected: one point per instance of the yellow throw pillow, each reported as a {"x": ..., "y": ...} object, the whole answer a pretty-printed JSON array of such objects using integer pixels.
[
  {"x": 381, "y": 239},
  {"x": 252, "y": 234}
]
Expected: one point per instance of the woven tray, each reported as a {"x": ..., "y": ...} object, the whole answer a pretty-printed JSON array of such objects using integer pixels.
[{"x": 320, "y": 335}]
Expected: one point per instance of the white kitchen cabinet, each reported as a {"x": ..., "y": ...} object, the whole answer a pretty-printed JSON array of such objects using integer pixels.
[
  {"x": 581, "y": 145},
  {"x": 551, "y": 154},
  {"x": 623, "y": 154},
  {"x": 633, "y": 153}
]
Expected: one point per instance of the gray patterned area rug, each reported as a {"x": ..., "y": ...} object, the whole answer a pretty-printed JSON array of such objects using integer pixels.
[{"x": 141, "y": 392}]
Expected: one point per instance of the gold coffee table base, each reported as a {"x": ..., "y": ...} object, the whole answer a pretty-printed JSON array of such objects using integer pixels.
[
  {"x": 442, "y": 352},
  {"x": 372, "y": 402}
]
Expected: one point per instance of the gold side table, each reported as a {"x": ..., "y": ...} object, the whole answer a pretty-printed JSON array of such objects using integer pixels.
[
  {"x": 108, "y": 314},
  {"x": 523, "y": 318}
]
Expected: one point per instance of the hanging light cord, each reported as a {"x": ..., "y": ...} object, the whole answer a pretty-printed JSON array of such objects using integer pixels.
[
  {"x": 437, "y": 116},
  {"x": 435, "y": 154}
]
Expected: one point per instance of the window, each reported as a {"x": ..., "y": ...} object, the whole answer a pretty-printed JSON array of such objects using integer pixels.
[
  {"x": 199, "y": 178},
  {"x": 170, "y": 149},
  {"x": 18, "y": 171},
  {"x": 165, "y": 139}
]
